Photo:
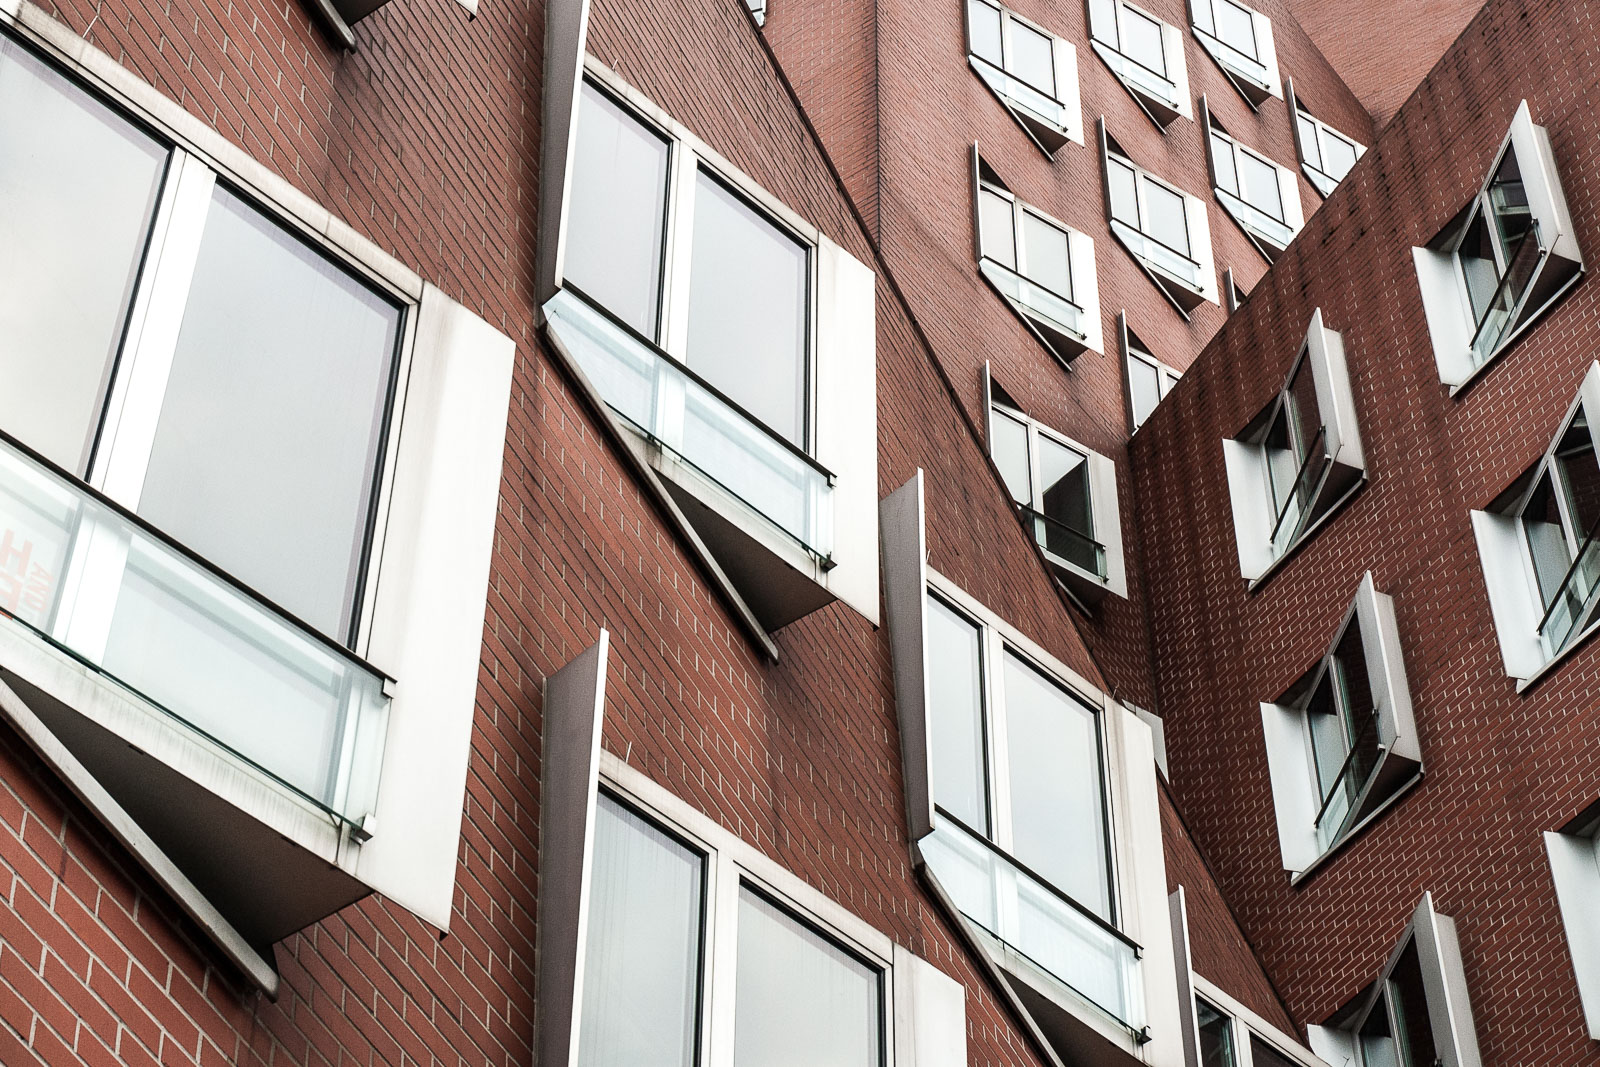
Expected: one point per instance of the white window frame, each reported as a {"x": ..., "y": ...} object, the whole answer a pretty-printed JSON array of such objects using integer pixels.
[
  {"x": 1574, "y": 854},
  {"x": 841, "y": 400},
  {"x": 1153, "y": 256},
  {"x": 758, "y": 11},
  {"x": 1514, "y": 599},
  {"x": 1163, "y": 97},
  {"x": 1452, "y": 326},
  {"x": 1104, "y": 512},
  {"x": 1323, "y": 182},
  {"x": 1255, "y": 516},
  {"x": 1257, "y": 78},
  {"x": 1270, "y": 235},
  {"x": 1063, "y": 340},
  {"x": 1051, "y": 128},
  {"x": 1136, "y": 351},
  {"x": 1444, "y": 987},
  {"x": 1233, "y": 293},
  {"x": 1244, "y": 1024},
  {"x": 432, "y": 539},
  {"x": 924, "y": 1012},
  {"x": 1291, "y": 758}
]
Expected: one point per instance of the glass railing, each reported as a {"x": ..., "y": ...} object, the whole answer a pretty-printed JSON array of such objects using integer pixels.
[
  {"x": 1152, "y": 83},
  {"x": 1500, "y": 314},
  {"x": 1274, "y": 231},
  {"x": 1062, "y": 541},
  {"x": 1049, "y": 307},
  {"x": 1041, "y": 106},
  {"x": 1340, "y": 797},
  {"x": 1246, "y": 66},
  {"x": 1574, "y": 599},
  {"x": 689, "y": 419},
  {"x": 1074, "y": 946},
  {"x": 96, "y": 582},
  {"x": 1162, "y": 257},
  {"x": 1294, "y": 510}
]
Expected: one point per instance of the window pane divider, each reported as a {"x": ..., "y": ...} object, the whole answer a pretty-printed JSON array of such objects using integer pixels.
[
  {"x": 1299, "y": 478},
  {"x": 1566, "y": 579}
]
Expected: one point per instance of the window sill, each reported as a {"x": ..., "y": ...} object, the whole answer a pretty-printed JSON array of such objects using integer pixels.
[
  {"x": 1299, "y": 878},
  {"x": 1512, "y": 339},
  {"x": 1254, "y": 584}
]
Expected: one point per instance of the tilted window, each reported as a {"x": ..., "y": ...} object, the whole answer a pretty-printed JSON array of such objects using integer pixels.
[
  {"x": 1299, "y": 458},
  {"x": 1146, "y": 55},
  {"x": 1043, "y": 268},
  {"x": 1416, "y": 1013},
  {"x": 735, "y": 343},
  {"x": 1161, "y": 226},
  {"x": 1066, "y": 495},
  {"x": 1326, "y": 155},
  {"x": 1149, "y": 379},
  {"x": 1258, "y": 194},
  {"x": 1239, "y": 38},
  {"x": 1227, "y": 1039},
  {"x": 1033, "y": 72},
  {"x": 758, "y": 8},
  {"x": 1342, "y": 741},
  {"x": 1502, "y": 260},
  {"x": 1574, "y": 855},
  {"x": 1538, "y": 546}
]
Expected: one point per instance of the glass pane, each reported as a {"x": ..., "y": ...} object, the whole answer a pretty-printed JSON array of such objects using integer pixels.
[
  {"x": 998, "y": 237},
  {"x": 616, "y": 212},
  {"x": 77, "y": 189},
  {"x": 1222, "y": 163},
  {"x": 1508, "y": 201},
  {"x": 1032, "y": 58},
  {"x": 1216, "y": 1035},
  {"x": 1260, "y": 184},
  {"x": 268, "y": 444},
  {"x": 1329, "y": 741},
  {"x": 1378, "y": 1048},
  {"x": 1413, "y": 1030},
  {"x": 1103, "y": 22},
  {"x": 1264, "y": 1055},
  {"x": 1302, "y": 407},
  {"x": 1057, "y": 808},
  {"x": 1548, "y": 546},
  {"x": 1339, "y": 154},
  {"x": 1044, "y": 248},
  {"x": 1124, "y": 197},
  {"x": 641, "y": 980},
  {"x": 1235, "y": 27},
  {"x": 1010, "y": 450},
  {"x": 1144, "y": 389},
  {"x": 1141, "y": 41},
  {"x": 799, "y": 998},
  {"x": 1580, "y": 474},
  {"x": 955, "y": 716},
  {"x": 985, "y": 22},
  {"x": 748, "y": 310},
  {"x": 1165, "y": 219},
  {"x": 1064, "y": 485},
  {"x": 1479, "y": 269},
  {"x": 1310, "y": 151}
]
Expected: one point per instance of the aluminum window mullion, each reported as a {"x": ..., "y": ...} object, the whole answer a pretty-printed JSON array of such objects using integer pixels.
[
  {"x": 719, "y": 977},
  {"x": 1016, "y": 234},
  {"x": 999, "y": 766},
  {"x": 1035, "y": 482},
  {"x": 679, "y": 254}
]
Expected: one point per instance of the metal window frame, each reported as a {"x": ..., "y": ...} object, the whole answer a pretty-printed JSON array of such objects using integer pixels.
[
  {"x": 1019, "y": 208},
  {"x": 1161, "y": 111},
  {"x": 1321, "y": 180},
  {"x": 1256, "y": 89},
  {"x": 1166, "y": 377}
]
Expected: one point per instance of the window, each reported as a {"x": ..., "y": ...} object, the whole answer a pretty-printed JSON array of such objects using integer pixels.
[
  {"x": 1502, "y": 260},
  {"x": 1342, "y": 740},
  {"x": 1416, "y": 1013},
  {"x": 1033, "y": 73},
  {"x": 1240, "y": 40},
  {"x": 1326, "y": 155},
  {"x": 1145, "y": 54},
  {"x": 1042, "y": 268},
  {"x": 734, "y": 342},
  {"x": 758, "y": 8},
  {"x": 1262, "y": 197},
  {"x": 1233, "y": 294},
  {"x": 1066, "y": 494},
  {"x": 211, "y": 545},
  {"x": 1162, "y": 227},
  {"x": 1234, "y": 1036},
  {"x": 1149, "y": 380},
  {"x": 1575, "y": 868},
  {"x": 1298, "y": 459},
  {"x": 1541, "y": 560}
]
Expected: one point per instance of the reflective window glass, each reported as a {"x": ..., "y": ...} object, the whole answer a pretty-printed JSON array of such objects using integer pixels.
[
  {"x": 1032, "y": 58},
  {"x": 748, "y": 309},
  {"x": 1264, "y": 1055},
  {"x": 999, "y": 238},
  {"x": 1260, "y": 180},
  {"x": 1548, "y": 546},
  {"x": 955, "y": 715},
  {"x": 1144, "y": 389},
  {"x": 641, "y": 977},
  {"x": 1010, "y": 451},
  {"x": 1064, "y": 485},
  {"x": 985, "y": 29},
  {"x": 616, "y": 212},
  {"x": 78, "y": 187},
  {"x": 1141, "y": 41},
  {"x": 1479, "y": 269},
  {"x": 1413, "y": 1031},
  {"x": 1045, "y": 247},
  {"x": 1339, "y": 156},
  {"x": 268, "y": 444},
  {"x": 1376, "y": 1038},
  {"x": 1235, "y": 27},
  {"x": 1308, "y": 141},
  {"x": 1124, "y": 195},
  {"x": 1508, "y": 202},
  {"x": 1103, "y": 22},
  {"x": 1216, "y": 1036},
  {"x": 1165, "y": 219},
  {"x": 1222, "y": 163}
]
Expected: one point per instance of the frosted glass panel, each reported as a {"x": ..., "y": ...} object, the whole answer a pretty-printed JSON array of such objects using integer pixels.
[
  {"x": 77, "y": 190},
  {"x": 955, "y": 716}
]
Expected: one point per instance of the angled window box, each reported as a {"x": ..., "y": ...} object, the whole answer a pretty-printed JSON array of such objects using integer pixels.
[
  {"x": 1326, "y": 155},
  {"x": 1031, "y": 71},
  {"x": 1031, "y": 799},
  {"x": 1575, "y": 868},
  {"x": 1043, "y": 268},
  {"x": 1416, "y": 1013},
  {"x": 1258, "y": 194},
  {"x": 734, "y": 344},
  {"x": 758, "y": 9},
  {"x": 1233, "y": 294},
  {"x": 1299, "y": 459},
  {"x": 1239, "y": 38},
  {"x": 1538, "y": 545},
  {"x": 1065, "y": 494},
  {"x": 1145, "y": 54},
  {"x": 1503, "y": 260},
  {"x": 1161, "y": 226},
  {"x": 257, "y": 641},
  {"x": 1342, "y": 741},
  {"x": 1149, "y": 379}
]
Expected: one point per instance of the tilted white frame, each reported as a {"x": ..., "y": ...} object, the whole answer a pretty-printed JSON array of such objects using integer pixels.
[
  {"x": 1574, "y": 855},
  {"x": 1172, "y": 53},
  {"x": 1291, "y": 761},
  {"x": 1064, "y": 58},
  {"x": 1246, "y": 464},
  {"x": 1179, "y": 293},
  {"x": 1202, "y": 20},
  {"x": 1166, "y": 377},
  {"x": 1316, "y": 175},
  {"x": 1288, "y": 187},
  {"x": 1245, "y": 1024}
]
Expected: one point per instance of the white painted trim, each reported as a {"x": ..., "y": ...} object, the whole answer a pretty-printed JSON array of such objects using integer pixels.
[
  {"x": 905, "y": 586},
  {"x": 1575, "y": 870},
  {"x": 1253, "y": 1023},
  {"x": 566, "y": 32},
  {"x": 1444, "y": 981},
  {"x": 930, "y": 1012}
]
